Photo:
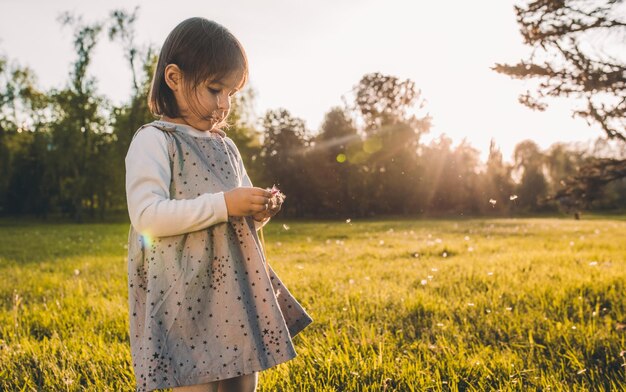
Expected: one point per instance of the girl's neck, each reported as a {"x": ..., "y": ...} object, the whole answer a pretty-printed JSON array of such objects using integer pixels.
[{"x": 177, "y": 120}]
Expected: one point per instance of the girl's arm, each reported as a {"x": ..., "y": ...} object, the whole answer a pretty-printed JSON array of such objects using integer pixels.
[
  {"x": 148, "y": 178},
  {"x": 245, "y": 180}
]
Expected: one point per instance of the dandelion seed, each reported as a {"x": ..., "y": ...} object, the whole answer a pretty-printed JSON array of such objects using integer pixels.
[
  {"x": 596, "y": 231},
  {"x": 573, "y": 327},
  {"x": 513, "y": 197},
  {"x": 444, "y": 254},
  {"x": 381, "y": 242},
  {"x": 309, "y": 239},
  {"x": 466, "y": 238},
  {"x": 471, "y": 304},
  {"x": 470, "y": 249},
  {"x": 429, "y": 277},
  {"x": 509, "y": 309},
  {"x": 488, "y": 310},
  {"x": 440, "y": 325},
  {"x": 327, "y": 242},
  {"x": 434, "y": 269},
  {"x": 571, "y": 243},
  {"x": 344, "y": 309},
  {"x": 76, "y": 272},
  {"x": 593, "y": 263},
  {"x": 286, "y": 227},
  {"x": 493, "y": 202},
  {"x": 348, "y": 220},
  {"x": 423, "y": 282},
  {"x": 438, "y": 240},
  {"x": 367, "y": 278},
  {"x": 390, "y": 231},
  {"x": 300, "y": 266},
  {"x": 489, "y": 273},
  {"x": 351, "y": 281},
  {"x": 581, "y": 371},
  {"x": 279, "y": 243},
  {"x": 416, "y": 255}
]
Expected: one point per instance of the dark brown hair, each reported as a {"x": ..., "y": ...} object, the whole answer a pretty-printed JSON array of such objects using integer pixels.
[{"x": 203, "y": 50}]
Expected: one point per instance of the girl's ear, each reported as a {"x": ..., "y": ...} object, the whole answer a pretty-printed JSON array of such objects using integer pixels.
[{"x": 173, "y": 77}]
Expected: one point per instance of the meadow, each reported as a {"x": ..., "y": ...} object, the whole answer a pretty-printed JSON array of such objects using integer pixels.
[{"x": 399, "y": 305}]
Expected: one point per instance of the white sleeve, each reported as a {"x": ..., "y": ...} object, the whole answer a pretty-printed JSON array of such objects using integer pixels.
[
  {"x": 245, "y": 179},
  {"x": 150, "y": 208}
]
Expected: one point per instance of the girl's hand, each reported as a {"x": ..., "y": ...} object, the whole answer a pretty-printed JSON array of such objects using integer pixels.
[
  {"x": 245, "y": 201},
  {"x": 271, "y": 211},
  {"x": 276, "y": 202}
]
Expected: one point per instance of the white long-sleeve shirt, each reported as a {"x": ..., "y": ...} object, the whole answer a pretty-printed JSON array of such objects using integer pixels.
[{"x": 148, "y": 177}]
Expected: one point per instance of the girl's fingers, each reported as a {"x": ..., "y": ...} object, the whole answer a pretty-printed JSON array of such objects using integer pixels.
[{"x": 259, "y": 200}]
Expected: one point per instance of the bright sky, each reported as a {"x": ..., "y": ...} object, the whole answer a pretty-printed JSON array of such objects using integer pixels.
[{"x": 304, "y": 55}]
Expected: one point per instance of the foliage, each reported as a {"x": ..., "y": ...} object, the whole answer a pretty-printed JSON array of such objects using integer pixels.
[{"x": 578, "y": 51}]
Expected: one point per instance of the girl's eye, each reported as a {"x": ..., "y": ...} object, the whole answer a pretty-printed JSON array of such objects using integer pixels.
[{"x": 214, "y": 91}]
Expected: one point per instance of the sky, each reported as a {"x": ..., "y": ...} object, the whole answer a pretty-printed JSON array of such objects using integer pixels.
[{"x": 304, "y": 56}]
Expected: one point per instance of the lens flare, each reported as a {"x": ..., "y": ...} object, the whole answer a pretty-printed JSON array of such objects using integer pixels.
[{"x": 146, "y": 240}]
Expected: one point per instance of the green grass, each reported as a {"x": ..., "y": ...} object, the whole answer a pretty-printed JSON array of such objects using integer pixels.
[{"x": 437, "y": 305}]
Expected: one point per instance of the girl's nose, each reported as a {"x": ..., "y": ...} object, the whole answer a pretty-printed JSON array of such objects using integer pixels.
[{"x": 223, "y": 103}]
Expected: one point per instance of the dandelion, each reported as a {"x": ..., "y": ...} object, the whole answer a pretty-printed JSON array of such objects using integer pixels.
[
  {"x": 348, "y": 220},
  {"x": 76, "y": 272},
  {"x": 493, "y": 202},
  {"x": 444, "y": 254},
  {"x": 416, "y": 255},
  {"x": 513, "y": 197},
  {"x": 423, "y": 282}
]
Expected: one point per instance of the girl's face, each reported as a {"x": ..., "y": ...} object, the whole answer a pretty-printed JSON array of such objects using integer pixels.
[{"x": 209, "y": 104}]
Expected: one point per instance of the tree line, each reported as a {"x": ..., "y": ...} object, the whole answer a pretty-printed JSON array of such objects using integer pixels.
[{"x": 62, "y": 150}]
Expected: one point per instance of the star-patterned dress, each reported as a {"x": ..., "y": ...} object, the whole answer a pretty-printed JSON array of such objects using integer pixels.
[{"x": 205, "y": 306}]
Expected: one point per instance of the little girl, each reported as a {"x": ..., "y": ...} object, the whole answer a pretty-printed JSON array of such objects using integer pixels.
[{"x": 206, "y": 311}]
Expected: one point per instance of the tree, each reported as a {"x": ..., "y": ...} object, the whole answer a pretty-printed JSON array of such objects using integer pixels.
[
  {"x": 284, "y": 146},
  {"x": 569, "y": 63},
  {"x": 78, "y": 132},
  {"x": 386, "y": 107},
  {"x": 532, "y": 187},
  {"x": 333, "y": 176}
]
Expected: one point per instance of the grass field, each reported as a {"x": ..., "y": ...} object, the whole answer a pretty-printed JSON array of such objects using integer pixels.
[{"x": 426, "y": 305}]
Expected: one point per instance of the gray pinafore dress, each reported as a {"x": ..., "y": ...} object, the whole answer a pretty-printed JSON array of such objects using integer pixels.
[{"x": 203, "y": 305}]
